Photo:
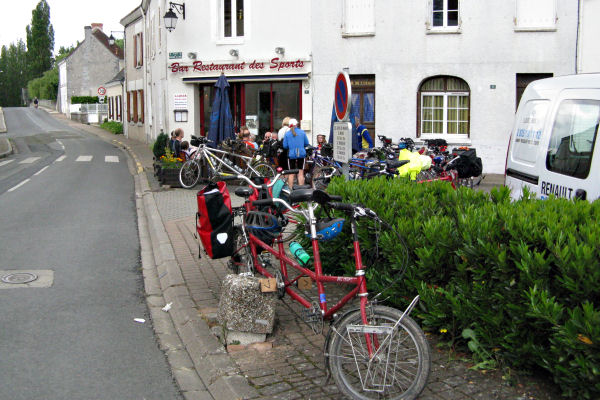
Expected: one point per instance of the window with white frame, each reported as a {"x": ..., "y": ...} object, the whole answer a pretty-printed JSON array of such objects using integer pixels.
[
  {"x": 358, "y": 18},
  {"x": 232, "y": 18},
  {"x": 533, "y": 15},
  {"x": 444, "y": 15},
  {"x": 444, "y": 107}
]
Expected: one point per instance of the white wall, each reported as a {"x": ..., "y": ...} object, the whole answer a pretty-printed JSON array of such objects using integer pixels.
[
  {"x": 589, "y": 56},
  {"x": 401, "y": 54}
]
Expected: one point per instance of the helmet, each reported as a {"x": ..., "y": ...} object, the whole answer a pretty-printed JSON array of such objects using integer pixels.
[
  {"x": 263, "y": 225},
  {"x": 329, "y": 228}
]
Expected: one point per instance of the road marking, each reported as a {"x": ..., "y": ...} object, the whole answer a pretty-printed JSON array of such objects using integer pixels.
[
  {"x": 19, "y": 185},
  {"x": 6, "y": 162},
  {"x": 111, "y": 158},
  {"x": 84, "y": 158},
  {"x": 29, "y": 160},
  {"x": 61, "y": 144},
  {"x": 41, "y": 170},
  {"x": 60, "y": 158}
]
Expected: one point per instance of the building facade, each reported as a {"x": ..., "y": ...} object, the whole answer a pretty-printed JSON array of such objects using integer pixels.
[
  {"x": 88, "y": 67},
  {"x": 452, "y": 69},
  {"x": 134, "y": 101}
]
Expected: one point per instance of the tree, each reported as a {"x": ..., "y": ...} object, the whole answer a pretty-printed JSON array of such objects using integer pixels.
[
  {"x": 40, "y": 41},
  {"x": 13, "y": 77}
]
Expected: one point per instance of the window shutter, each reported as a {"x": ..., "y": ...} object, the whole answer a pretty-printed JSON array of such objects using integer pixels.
[
  {"x": 141, "y": 92},
  {"x": 141, "y": 50},
  {"x": 536, "y": 13},
  {"x": 119, "y": 108},
  {"x": 135, "y": 46},
  {"x": 359, "y": 17},
  {"x": 128, "y": 106},
  {"x": 135, "y": 106},
  {"x": 429, "y": 14}
]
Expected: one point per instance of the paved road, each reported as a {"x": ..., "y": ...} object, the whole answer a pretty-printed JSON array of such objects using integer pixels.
[{"x": 68, "y": 213}]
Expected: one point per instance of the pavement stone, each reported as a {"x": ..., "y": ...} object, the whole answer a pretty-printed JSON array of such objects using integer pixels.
[{"x": 293, "y": 367}]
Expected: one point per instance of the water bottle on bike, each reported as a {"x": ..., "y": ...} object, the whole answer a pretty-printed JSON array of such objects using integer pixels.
[{"x": 302, "y": 256}]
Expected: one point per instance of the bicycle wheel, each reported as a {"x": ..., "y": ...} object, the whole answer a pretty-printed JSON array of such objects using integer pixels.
[
  {"x": 241, "y": 260},
  {"x": 262, "y": 170},
  {"x": 189, "y": 174},
  {"x": 322, "y": 176},
  {"x": 399, "y": 370}
]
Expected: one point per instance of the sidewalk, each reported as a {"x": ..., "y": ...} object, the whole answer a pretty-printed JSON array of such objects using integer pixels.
[
  {"x": 289, "y": 365},
  {"x": 5, "y": 146}
]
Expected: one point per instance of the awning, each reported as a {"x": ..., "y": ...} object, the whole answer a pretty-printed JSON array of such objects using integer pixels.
[{"x": 246, "y": 78}]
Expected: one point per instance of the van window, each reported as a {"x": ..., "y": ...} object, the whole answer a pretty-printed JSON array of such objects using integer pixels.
[
  {"x": 573, "y": 138},
  {"x": 530, "y": 126}
]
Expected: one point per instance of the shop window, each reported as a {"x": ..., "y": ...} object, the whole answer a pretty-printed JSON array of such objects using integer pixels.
[
  {"x": 363, "y": 101},
  {"x": 535, "y": 15},
  {"x": 232, "y": 18},
  {"x": 444, "y": 107},
  {"x": 444, "y": 15},
  {"x": 573, "y": 138},
  {"x": 358, "y": 18},
  {"x": 261, "y": 105}
]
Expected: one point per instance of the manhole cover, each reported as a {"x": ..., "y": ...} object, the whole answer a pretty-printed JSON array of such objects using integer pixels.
[{"x": 19, "y": 277}]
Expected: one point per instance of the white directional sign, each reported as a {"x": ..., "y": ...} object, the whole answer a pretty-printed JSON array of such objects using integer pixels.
[{"x": 342, "y": 141}]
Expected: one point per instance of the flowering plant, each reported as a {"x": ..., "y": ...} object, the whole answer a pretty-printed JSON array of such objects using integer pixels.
[{"x": 169, "y": 160}]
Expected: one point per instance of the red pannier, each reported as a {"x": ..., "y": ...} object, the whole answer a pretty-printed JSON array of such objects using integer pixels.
[{"x": 214, "y": 220}]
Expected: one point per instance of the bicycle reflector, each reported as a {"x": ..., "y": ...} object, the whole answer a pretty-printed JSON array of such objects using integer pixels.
[
  {"x": 328, "y": 228},
  {"x": 263, "y": 225}
]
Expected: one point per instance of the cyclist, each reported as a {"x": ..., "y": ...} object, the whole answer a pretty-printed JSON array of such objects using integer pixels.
[
  {"x": 363, "y": 136},
  {"x": 295, "y": 141}
]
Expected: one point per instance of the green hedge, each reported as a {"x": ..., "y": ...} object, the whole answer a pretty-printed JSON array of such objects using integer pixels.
[
  {"x": 113, "y": 126},
  {"x": 518, "y": 283},
  {"x": 84, "y": 99}
]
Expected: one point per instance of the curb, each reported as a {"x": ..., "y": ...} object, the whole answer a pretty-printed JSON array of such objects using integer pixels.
[
  {"x": 200, "y": 364},
  {"x": 2, "y": 122}
]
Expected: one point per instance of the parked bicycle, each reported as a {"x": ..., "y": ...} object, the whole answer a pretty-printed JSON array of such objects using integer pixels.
[
  {"x": 220, "y": 162},
  {"x": 371, "y": 352}
]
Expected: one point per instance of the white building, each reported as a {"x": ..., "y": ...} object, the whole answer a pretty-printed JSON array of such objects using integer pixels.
[{"x": 450, "y": 69}]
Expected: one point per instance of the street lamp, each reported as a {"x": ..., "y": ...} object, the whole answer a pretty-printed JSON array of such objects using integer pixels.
[
  {"x": 171, "y": 18},
  {"x": 111, "y": 38}
]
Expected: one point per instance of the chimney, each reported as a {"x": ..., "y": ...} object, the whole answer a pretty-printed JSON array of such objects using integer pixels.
[
  {"x": 97, "y": 25},
  {"x": 87, "y": 30}
]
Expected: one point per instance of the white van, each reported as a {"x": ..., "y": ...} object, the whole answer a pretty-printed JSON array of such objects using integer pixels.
[{"x": 552, "y": 144}]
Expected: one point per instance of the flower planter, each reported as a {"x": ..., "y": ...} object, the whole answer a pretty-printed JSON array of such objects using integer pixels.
[{"x": 170, "y": 176}]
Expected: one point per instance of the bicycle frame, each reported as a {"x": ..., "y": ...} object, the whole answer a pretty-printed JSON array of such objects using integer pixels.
[
  {"x": 212, "y": 158},
  {"x": 317, "y": 275}
]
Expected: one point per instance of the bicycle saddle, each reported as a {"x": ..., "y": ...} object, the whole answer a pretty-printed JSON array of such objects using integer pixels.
[
  {"x": 243, "y": 191},
  {"x": 396, "y": 163},
  {"x": 300, "y": 195}
]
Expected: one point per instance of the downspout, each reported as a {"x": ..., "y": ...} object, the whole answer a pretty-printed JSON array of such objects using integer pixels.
[{"x": 577, "y": 58}]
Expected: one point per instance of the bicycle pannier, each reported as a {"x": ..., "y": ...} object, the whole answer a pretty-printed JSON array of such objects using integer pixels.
[
  {"x": 468, "y": 165},
  {"x": 214, "y": 220}
]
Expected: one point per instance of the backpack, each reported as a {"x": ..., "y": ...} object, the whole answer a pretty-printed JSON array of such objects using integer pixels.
[{"x": 468, "y": 165}]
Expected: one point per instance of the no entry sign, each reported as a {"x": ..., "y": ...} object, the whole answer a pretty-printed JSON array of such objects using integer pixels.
[
  {"x": 101, "y": 91},
  {"x": 342, "y": 96}
]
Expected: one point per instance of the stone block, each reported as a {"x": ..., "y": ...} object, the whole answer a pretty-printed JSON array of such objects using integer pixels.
[
  {"x": 244, "y": 308},
  {"x": 244, "y": 338}
]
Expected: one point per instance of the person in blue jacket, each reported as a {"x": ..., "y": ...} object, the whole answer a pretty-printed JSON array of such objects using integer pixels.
[
  {"x": 363, "y": 136},
  {"x": 295, "y": 141}
]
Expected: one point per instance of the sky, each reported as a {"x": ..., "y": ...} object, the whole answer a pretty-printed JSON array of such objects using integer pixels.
[{"x": 68, "y": 17}]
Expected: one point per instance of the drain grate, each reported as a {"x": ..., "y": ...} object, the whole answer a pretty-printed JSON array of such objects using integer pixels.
[{"x": 19, "y": 277}]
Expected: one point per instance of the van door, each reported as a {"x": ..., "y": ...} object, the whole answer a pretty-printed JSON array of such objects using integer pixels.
[
  {"x": 527, "y": 146},
  {"x": 572, "y": 164}
]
